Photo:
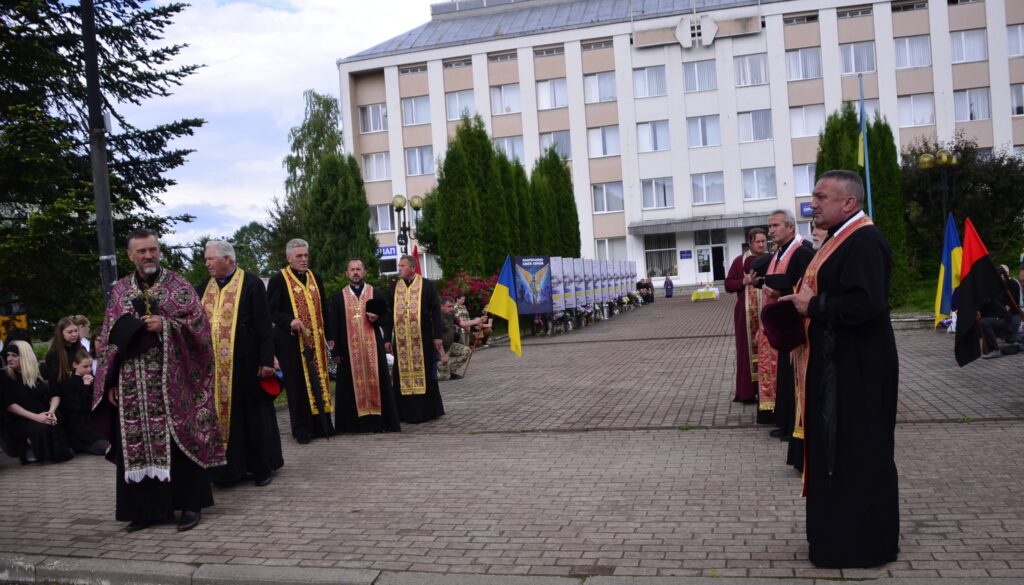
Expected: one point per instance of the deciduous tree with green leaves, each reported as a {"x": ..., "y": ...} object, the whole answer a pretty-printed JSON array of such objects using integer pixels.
[{"x": 317, "y": 136}]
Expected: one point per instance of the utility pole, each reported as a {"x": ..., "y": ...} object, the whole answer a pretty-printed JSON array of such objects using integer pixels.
[{"x": 98, "y": 151}]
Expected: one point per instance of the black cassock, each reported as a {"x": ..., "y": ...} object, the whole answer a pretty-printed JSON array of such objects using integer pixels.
[
  {"x": 254, "y": 440},
  {"x": 287, "y": 349},
  {"x": 428, "y": 406},
  {"x": 785, "y": 399},
  {"x": 853, "y": 516},
  {"x": 346, "y": 418}
]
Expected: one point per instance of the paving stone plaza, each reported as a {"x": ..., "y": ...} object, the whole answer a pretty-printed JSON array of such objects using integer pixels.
[{"x": 612, "y": 452}]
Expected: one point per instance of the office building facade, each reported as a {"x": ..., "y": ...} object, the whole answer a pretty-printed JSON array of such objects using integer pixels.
[{"x": 683, "y": 126}]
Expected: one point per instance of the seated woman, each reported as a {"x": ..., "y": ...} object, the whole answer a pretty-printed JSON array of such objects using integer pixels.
[
  {"x": 483, "y": 335},
  {"x": 63, "y": 346},
  {"x": 31, "y": 427},
  {"x": 76, "y": 408}
]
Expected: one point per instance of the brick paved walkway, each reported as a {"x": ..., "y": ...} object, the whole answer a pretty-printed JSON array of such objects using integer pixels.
[{"x": 576, "y": 460}]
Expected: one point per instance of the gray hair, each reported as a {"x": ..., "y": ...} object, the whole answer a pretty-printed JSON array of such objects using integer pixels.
[
  {"x": 223, "y": 248},
  {"x": 410, "y": 260},
  {"x": 293, "y": 244},
  {"x": 787, "y": 216},
  {"x": 849, "y": 181}
]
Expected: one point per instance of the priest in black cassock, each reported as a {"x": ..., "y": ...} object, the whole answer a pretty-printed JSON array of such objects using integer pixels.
[
  {"x": 792, "y": 255},
  {"x": 298, "y": 304},
  {"x": 357, "y": 316},
  {"x": 417, "y": 344},
  {"x": 243, "y": 343},
  {"x": 851, "y": 371}
]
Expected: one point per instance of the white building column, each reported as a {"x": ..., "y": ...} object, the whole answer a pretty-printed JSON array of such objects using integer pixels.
[
  {"x": 632, "y": 198},
  {"x": 579, "y": 165},
  {"x": 395, "y": 139},
  {"x": 438, "y": 115},
  {"x": 942, "y": 69},
  {"x": 528, "y": 97},
  {"x": 482, "y": 89},
  {"x": 999, "y": 76},
  {"x": 885, "y": 65},
  {"x": 779, "y": 88},
  {"x": 831, "y": 61}
]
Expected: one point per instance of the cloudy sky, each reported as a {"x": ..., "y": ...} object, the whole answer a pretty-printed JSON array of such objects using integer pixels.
[{"x": 259, "y": 56}]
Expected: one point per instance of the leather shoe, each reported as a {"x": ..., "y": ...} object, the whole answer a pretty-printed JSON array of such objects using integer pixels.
[
  {"x": 303, "y": 440},
  {"x": 263, "y": 480},
  {"x": 139, "y": 525},
  {"x": 776, "y": 433},
  {"x": 189, "y": 520}
]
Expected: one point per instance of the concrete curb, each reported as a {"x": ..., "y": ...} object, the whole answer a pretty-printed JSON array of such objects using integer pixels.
[
  {"x": 230, "y": 574},
  {"x": 17, "y": 569}
]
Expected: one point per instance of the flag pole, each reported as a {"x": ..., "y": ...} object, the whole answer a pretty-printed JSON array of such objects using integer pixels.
[{"x": 864, "y": 137}]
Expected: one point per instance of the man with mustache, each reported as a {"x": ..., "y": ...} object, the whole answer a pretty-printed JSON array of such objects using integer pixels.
[
  {"x": 850, "y": 369},
  {"x": 154, "y": 391}
]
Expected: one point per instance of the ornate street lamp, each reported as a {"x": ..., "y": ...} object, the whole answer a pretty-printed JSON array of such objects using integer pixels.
[
  {"x": 398, "y": 203},
  {"x": 946, "y": 163}
]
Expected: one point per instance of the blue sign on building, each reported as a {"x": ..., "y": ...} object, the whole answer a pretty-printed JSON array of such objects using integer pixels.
[
  {"x": 387, "y": 251},
  {"x": 686, "y": 254},
  {"x": 805, "y": 210}
]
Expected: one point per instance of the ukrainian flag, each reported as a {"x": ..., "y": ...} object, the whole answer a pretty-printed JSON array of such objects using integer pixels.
[
  {"x": 949, "y": 271},
  {"x": 503, "y": 304}
]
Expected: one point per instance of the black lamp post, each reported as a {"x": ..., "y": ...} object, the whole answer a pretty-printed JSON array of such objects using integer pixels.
[
  {"x": 398, "y": 203},
  {"x": 946, "y": 163}
]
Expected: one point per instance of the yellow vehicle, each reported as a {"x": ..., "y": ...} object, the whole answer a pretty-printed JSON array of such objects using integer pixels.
[{"x": 12, "y": 316}]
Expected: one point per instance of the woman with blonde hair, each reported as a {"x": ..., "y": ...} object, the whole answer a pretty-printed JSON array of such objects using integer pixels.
[{"x": 31, "y": 427}]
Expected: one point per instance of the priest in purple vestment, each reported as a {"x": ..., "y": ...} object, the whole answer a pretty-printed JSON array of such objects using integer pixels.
[
  {"x": 742, "y": 281},
  {"x": 155, "y": 401}
]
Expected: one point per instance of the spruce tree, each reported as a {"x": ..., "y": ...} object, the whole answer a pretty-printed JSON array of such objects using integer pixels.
[{"x": 485, "y": 175}]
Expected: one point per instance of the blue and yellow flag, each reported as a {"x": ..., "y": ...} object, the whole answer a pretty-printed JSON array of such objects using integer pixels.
[
  {"x": 503, "y": 304},
  {"x": 949, "y": 272}
]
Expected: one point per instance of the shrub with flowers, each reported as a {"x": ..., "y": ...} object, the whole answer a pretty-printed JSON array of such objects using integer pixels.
[{"x": 477, "y": 290}]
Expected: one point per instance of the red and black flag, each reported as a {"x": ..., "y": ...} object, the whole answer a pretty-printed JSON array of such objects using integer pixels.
[{"x": 979, "y": 283}]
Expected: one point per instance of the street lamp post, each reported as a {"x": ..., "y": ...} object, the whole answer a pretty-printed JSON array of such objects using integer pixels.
[
  {"x": 946, "y": 163},
  {"x": 398, "y": 203}
]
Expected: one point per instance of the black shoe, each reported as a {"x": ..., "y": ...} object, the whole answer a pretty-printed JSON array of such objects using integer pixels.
[
  {"x": 140, "y": 525},
  {"x": 303, "y": 440},
  {"x": 263, "y": 480},
  {"x": 776, "y": 433},
  {"x": 456, "y": 377},
  {"x": 189, "y": 520}
]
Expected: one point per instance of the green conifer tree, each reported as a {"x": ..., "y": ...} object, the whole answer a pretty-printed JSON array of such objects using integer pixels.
[
  {"x": 528, "y": 223},
  {"x": 458, "y": 216},
  {"x": 335, "y": 220},
  {"x": 506, "y": 175},
  {"x": 888, "y": 205},
  {"x": 837, "y": 148},
  {"x": 566, "y": 236}
]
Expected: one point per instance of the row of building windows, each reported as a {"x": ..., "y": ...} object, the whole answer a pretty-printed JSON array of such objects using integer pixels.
[
  {"x": 706, "y": 188},
  {"x": 750, "y": 70},
  {"x": 705, "y": 131}
]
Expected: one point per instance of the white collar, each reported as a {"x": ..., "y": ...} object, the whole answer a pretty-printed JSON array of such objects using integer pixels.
[{"x": 847, "y": 223}]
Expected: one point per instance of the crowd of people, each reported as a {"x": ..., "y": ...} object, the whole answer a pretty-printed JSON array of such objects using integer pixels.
[
  {"x": 37, "y": 396},
  {"x": 177, "y": 390},
  {"x": 817, "y": 355}
]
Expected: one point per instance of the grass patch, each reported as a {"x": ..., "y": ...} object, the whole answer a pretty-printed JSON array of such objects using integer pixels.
[
  {"x": 920, "y": 297},
  {"x": 964, "y": 419},
  {"x": 685, "y": 428}
]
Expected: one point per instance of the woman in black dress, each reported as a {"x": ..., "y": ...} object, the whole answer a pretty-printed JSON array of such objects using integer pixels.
[
  {"x": 31, "y": 427},
  {"x": 76, "y": 396}
]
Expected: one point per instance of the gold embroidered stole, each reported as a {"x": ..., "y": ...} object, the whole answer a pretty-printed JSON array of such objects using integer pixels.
[
  {"x": 409, "y": 337},
  {"x": 768, "y": 358},
  {"x": 221, "y": 306},
  {"x": 752, "y": 313},
  {"x": 307, "y": 308},
  {"x": 802, "y": 355},
  {"x": 362, "y": 351}
]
